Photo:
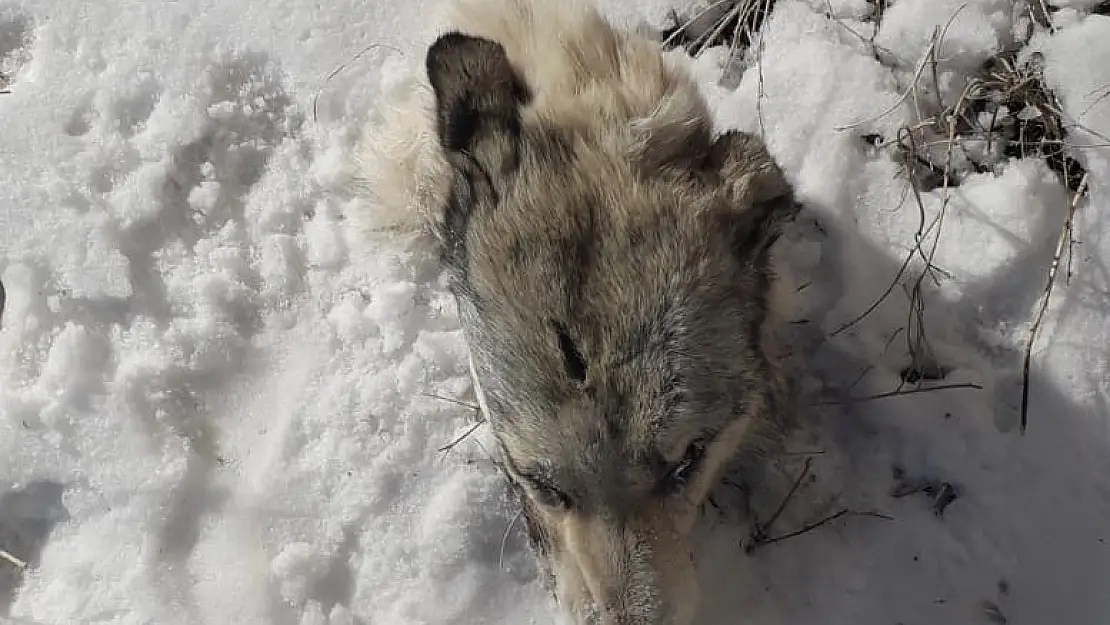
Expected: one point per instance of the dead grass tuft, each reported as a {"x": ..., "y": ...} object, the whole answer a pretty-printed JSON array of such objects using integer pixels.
[
  {"x": 1005, "y": 112},
  {"x": 732, "y": 23}
]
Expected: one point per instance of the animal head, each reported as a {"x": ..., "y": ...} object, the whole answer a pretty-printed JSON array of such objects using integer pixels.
[{"x": 610, "y": 261}]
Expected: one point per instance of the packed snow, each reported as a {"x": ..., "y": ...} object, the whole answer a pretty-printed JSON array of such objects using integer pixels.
[{"x": 222, "y": 404}]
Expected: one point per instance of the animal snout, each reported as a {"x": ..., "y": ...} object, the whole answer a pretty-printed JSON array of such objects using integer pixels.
[{"x": 636, "y": 572}]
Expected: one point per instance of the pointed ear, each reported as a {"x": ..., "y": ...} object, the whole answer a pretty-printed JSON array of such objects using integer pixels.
[
  {"x": 478, "y": 96},
  {"x": 762, "y": 199},
  {"x": 678, "y": 134}
]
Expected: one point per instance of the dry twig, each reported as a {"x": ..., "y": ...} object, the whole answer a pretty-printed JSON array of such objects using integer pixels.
[
  {"x": 1065, "y": 236},
  {"x": 760, "y": 532},
  {"x": 457, "y": 402},
  {"x": 461, "y": 437},
  {"x": 917, "y": 342},
  {"x": 912, "y": 391},
  {"x": 723, "y": 22},
  {"x": 477, "y": 410},
  {"x": 16, "y": 562},
  {"x": 907, "y": 141},
  {"x": 1105, "y": 89},
  {"x": 343, "y": 66},
  {"x": 816, "y": 524},
  {"x": 680, "y": 29},
  {"x": 930, "y": 53},
  {"x": 505, "y": 538}
]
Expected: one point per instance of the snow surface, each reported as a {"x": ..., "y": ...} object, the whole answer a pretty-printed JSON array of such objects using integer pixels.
[{"x": 217, "y": 403}]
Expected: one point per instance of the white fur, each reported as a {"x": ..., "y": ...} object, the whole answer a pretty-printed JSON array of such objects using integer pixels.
[
  {"x": 398, "y": 165},
  {"x": 582, "y": 73}
]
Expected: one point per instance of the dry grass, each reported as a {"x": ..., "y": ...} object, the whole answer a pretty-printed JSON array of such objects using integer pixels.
[
  {"x": 1010, "y": 110},
  {"x": 923, "y": 364},
  {"x": 1004, "y": 112},
  {"x": 732, "y": 23},
  {"x": 1024, "y": 117}
]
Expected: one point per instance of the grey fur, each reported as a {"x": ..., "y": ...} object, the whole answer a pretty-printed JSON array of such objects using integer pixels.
[{"x": 613, "y": 275}]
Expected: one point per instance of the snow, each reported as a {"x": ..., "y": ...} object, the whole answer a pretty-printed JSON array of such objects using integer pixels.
[{"x": 221, "y": 404}]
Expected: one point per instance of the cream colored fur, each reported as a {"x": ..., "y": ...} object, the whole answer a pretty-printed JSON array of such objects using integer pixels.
[{"x": 583, "y": 71}]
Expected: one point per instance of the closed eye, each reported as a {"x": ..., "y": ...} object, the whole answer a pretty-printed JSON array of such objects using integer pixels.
[
  {"x": 544, "y": 493},
  {"x": 551, "y": 497},
  {"x": 682, "y": 472}
]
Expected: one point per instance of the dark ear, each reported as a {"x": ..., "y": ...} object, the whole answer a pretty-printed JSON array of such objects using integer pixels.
[
  {"x": 677, "y": 139},
  {"x": 478, "y": 95},
  {"x": 761, "y": 198}
]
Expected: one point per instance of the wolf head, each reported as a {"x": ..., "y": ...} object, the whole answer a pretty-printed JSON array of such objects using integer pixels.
[{"x": 611, "y": 270}]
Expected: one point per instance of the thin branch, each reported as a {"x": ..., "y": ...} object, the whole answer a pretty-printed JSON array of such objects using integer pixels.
[
  {"x": 16, "y": 562},
  {"x": 859, "y": 378},
  {"x": 461, "y": 437},
  {"x": 679, "y": 29},
  {"x": 715, "y": 32},
  {"x": 1045, "y": 297},
  {"x": 734, "y": 44},
  {"x": 938, "y": 36},
  {"x": 813, "y": 452},
  {"x": 907, "y": 142},
  {"x": 761, "y": 530},
  {"x": 878, "y": 302},
  {"x": 816, "y": 524},
  {"x": 1100, "y": 98},
  {"x": 831, "y": 14},
  {"x": 759, "y": 67},
  {"x": 912, "y": 391},
  {"x": 343, "y": 66},
  {"x": 477, "y": 410},
  {"x": 918, "y": 345},
  {"x": 449, "y": 400},
  {"x": 1039, "y": 12},
  {"x": 505, "y": 539}
]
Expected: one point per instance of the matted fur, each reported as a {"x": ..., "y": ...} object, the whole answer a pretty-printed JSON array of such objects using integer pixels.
[{"x": 611, "y": 263}]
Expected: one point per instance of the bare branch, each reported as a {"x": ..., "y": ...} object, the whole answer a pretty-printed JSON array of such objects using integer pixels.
[
  {"x": 461, "y": 437},
  {"x": 816, "y": 524},
  {"x": 761, "y": 530},
  {"x": 1061, "y": 243},
  {"x": 449, "y": 400},
  {"x": 912, "y": 391},
  {"x": 505, "y": 538},
  {"x": 938, "y": 36},
  {"x": 335, "y": 72},
  {"x": 14, "y": 561}
]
